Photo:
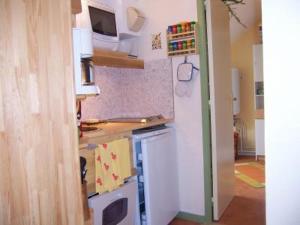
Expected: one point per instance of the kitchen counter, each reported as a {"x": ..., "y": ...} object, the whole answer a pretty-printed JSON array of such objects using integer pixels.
[
  {"x": 107, "y": 132},
  {"x": 113, "y": 130}
]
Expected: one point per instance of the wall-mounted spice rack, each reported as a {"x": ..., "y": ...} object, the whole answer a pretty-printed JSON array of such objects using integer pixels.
[{"x": 182, "y": 39}]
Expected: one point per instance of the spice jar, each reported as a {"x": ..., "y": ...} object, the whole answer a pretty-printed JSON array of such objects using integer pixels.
[
  {"x": 193, "y": 26},
  {"x": 170, "y": 47},
  {"x": 175, "y": 47},
  {"x": 174, "y": 29},
  {"x": 188, "y": 27},
  {"x": 193, "y": 43},
  {"x": 184, "y": 45},
  {"x": 180, "y": 45},
  {"x": 179, "y": 30}
]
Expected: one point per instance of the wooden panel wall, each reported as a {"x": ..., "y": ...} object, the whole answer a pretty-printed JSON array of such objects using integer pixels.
[{"x": 39, "y": 164}]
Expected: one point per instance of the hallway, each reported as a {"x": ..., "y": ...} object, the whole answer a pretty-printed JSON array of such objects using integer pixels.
[{"x": 246, "y": 208}]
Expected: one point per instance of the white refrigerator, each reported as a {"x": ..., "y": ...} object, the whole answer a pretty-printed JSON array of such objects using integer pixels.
[{"x": 156, "y": 164}]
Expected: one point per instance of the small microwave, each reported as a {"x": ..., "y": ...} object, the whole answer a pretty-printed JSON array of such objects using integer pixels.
[
  {"x": 101, "y": 19},
  {"x": 115, "y": 24}
]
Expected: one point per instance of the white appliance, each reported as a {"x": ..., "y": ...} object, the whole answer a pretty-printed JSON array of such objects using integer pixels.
[
  {"x": 236, "y": 104},
  {"x": 259, "y": 99},
  {"x": 83, "y": 67},
  {"x": 156, "y": 163},
  {"x": 112, "y": 22},
  {"x": 116, "y": 207},
  {"x": 100, "y": 17}
]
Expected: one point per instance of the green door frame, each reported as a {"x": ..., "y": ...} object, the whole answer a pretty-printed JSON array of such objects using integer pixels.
[{"x": 206, "y": 125}]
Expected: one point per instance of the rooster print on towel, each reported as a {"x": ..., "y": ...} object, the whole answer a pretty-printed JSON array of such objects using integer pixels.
[{"x": 112, "y": 162}]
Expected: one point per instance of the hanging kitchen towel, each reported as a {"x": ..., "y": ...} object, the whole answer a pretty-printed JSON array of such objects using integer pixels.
[
  {"x": 101, "y": 174},
  {"x": 112, "y": 162},
  {"x": 121, "y": 154}
]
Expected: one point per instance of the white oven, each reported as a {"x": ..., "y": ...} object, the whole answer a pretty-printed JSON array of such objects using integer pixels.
[{"x": 117, "y": 207}]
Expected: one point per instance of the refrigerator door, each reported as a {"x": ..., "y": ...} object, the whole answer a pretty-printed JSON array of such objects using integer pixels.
[{"x": 160, "y": 178}]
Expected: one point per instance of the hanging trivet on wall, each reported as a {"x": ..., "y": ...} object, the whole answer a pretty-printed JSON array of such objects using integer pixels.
[{"x": 185, "y": 73}]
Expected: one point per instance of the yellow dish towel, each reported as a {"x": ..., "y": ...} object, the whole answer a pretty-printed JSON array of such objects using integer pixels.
[{"x": 112, "y": 164}]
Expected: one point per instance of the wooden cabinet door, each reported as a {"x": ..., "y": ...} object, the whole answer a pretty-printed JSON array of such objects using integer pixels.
[
  {"x": 40, "y": 172},
  {"x": 221, "y": 105}
]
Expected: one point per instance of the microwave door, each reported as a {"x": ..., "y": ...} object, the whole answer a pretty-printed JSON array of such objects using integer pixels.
[{"x": 103, "y": 22}]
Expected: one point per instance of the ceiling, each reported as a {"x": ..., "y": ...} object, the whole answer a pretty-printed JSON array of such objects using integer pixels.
[{"x": 249, "y": 14}]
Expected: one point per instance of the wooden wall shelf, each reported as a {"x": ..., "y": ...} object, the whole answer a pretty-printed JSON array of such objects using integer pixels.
[
  {"x": 116, "y": 59},
  {"x": 181, "y": 36},
  {"x": 76, "y": 6},
  {"x": 183, "y": 52}
]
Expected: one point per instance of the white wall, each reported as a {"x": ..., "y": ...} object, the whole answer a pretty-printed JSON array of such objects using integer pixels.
[
  {"x": 281, "y": 35},
  {"x": 159, "y": 14},
  {"x": 188, "y": 121}
]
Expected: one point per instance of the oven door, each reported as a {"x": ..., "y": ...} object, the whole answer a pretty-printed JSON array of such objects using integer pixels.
[{"x": 117, "y": 207}]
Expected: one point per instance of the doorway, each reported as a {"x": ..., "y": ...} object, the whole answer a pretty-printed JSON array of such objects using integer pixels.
[
  {"x": 224, "y": 192},
  {"x": 248, "y": 104}
]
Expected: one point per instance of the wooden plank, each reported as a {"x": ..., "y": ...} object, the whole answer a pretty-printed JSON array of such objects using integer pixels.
[
  {"x": 40, "y": 178},
  {"x": 1, "y": 111},
  {"x": 118, "y": 62},
  {"x": 91, "y": 220},
  {"x": 111, "y": 131},
  {"x": 116, "y": 59},
  {"x": 102, "y": 52},
  {"x": 183, "y": 52},
  {"x": 96, "y": 139},
  {"x": 179, "y": 36}
]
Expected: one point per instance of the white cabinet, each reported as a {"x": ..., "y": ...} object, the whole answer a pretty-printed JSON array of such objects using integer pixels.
[
  {"x": 259, "y": 99},
  {"x": 258, "y": 62},
  {"x": 236, "y": 100},
  {"x": 258, "y": 77},
  {"x": 260, "y": 137}
]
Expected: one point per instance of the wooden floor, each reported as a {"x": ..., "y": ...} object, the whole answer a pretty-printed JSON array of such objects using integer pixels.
[{"x": 247, "y": 207}]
